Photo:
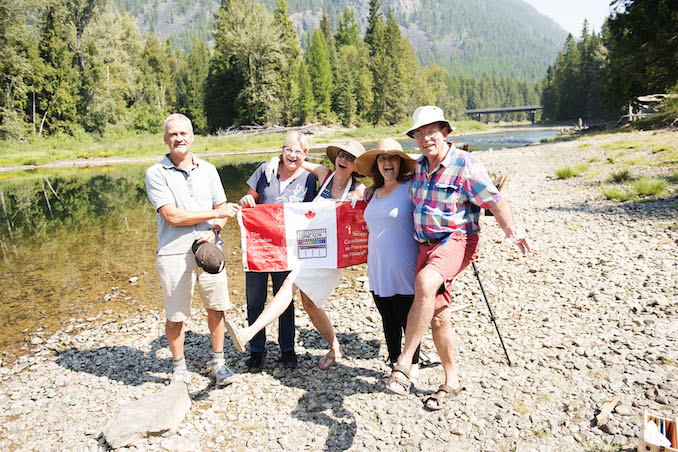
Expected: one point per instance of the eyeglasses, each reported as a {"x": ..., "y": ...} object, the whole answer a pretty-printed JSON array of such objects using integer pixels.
[
  {"x": 426, "y": 133},
  {"x": 387, "y": 157},
  {"x": 296, "y": 152},
  {"x": 346, "y": 155}
]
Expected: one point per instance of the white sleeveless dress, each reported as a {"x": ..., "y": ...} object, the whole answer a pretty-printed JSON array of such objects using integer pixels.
[{"x": 319, "y": 283}]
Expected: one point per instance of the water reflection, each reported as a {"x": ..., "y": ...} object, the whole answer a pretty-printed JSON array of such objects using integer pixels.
[{"x": 71, "y": 240}]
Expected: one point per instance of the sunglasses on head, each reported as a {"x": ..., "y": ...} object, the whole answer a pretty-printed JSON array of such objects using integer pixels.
[{"x": 346, "y": 155}]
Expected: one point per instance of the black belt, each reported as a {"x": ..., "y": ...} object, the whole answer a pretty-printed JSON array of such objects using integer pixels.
[{"x": 440, "y": 239}]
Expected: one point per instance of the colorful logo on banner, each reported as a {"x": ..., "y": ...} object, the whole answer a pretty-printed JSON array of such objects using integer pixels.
[
  {"x": 312, "y": 243},
  {"x": 278, "y": 237}
]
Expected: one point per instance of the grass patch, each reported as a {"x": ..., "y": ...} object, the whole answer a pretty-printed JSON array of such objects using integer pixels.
[
  {"x": 617, "y": 193},
  {"x": 593, "y": 160},
  {"x": 572, "y": 171},
  {"x": 637, "y": 161},
  {"x": 621, "y": 176},
  {"x": 650, "y": 187},
  {"x": 565, "y": 172},
  {"x": 674, "y": 177}
]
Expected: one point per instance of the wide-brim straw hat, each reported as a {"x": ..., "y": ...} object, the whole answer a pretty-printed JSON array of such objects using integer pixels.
[
  {"x": 428, "y": 114},
  {"x": 353, "y": 147},
  {"x": 365, "y": 162}
]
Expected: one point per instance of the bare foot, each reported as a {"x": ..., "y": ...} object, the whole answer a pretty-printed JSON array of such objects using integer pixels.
[{"x": 235, "y": 334}]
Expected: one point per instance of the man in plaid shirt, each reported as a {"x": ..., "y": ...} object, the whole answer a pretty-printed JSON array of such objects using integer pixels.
[{"x": 449, "y": 189}]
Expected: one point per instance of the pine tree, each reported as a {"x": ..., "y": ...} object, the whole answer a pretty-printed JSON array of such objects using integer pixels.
[
  {"x": 80, "y": 16},
  {"x": 247, "y": 53},
  {"x": 17, "y": 52},
  {"x": 318, "y": 62},
  {"x": 304, "y": 101},
  {"x": 59, "y": 82},
  {"x": 348, "y": 33},
  {"x": 374, "y": 38},
  {"x": 197, "y": 63},
  {"x": 643, "y": 49},
  {"x": 287, "y": 87},
  {"x": 374, "y": 33},
  {"x": 395, "y": 92}
]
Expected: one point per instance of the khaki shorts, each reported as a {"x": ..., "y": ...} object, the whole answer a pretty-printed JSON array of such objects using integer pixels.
[{"x": 178, "y": 275}]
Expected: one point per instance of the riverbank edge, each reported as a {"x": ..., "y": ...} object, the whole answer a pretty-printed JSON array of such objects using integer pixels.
[{"x": 314, "y": 149}]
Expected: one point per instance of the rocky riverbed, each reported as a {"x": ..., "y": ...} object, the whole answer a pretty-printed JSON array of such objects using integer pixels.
[{"x": 589, "y": 316}]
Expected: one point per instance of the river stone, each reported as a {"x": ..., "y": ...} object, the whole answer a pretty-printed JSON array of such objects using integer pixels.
[{"x": 150, "y": 415}]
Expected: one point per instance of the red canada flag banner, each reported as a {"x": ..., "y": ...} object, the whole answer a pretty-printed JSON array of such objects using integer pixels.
[{"x": 279, "y": 237}]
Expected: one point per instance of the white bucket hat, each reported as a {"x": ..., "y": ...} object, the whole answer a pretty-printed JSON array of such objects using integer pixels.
[{"x": 428, "y": 114}]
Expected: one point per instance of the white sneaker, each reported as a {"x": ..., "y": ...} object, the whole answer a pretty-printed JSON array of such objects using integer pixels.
[
  {"x": 223, "y": 376},
  {"x": 181, "y": 376}
]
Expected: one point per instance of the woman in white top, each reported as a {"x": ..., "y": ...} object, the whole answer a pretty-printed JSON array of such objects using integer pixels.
[
  {"x": 315, "y": 284},
  {"x": 392, "y": 250}
]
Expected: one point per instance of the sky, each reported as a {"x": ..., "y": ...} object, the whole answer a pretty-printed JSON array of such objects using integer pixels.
[{"x": 570, "y": 14}]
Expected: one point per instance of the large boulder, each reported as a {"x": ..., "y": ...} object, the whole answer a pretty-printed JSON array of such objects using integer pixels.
[{"x": 150, "y": 416}]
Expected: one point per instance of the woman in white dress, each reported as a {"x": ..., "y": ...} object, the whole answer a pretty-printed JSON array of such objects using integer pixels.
[{"x": 315, "y": 284}]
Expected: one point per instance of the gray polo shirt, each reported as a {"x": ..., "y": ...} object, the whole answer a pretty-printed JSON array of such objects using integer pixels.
[{"x": 198, "y": 189}]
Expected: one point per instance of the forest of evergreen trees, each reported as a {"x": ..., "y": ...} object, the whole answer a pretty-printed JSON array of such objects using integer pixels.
[
  {"x": 79, "y": 66},
  {"x": 635, "y": 54},
  {"x": 83, "y": 67}
]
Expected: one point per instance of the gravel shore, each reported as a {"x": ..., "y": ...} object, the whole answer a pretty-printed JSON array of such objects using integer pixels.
[{"x": 588, "y": 316}]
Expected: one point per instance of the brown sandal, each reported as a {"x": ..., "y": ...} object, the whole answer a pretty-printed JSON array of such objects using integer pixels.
[
  {"x": 436, "y": 401},
  {"x": 399, "y": 383}
]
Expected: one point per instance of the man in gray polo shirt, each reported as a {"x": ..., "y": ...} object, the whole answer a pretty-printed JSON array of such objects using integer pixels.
[{"x": 190, "y": 203}]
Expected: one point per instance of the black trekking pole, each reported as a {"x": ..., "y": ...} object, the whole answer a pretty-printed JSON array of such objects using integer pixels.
[{"x": 494, "y": 320}]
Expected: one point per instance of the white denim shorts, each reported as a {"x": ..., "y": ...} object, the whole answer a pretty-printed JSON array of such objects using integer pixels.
[{"x": 178, "y": 275}]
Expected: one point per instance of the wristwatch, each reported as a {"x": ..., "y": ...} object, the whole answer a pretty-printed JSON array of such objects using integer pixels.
[{"x": 216, "y": 231}]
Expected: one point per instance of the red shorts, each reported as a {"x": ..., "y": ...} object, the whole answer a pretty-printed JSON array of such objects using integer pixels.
[{"x": 448, "y": 258}]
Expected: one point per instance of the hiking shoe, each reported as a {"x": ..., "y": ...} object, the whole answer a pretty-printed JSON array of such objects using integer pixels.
[
  {"x": 289, "y": 360},
  {"x": 256, "y": 361},
  {"x": 223, "y": 376},
  {"x": 181, "y": 376}
]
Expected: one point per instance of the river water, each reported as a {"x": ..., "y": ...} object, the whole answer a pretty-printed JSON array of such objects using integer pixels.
[{"x": 76, "y": 243}]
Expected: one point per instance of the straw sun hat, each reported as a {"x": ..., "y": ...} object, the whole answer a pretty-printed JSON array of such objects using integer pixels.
[
  {"x": 352, "y": 147},
  {"x": 365, "y": 162},
  {"x": 428, "y": 114}
]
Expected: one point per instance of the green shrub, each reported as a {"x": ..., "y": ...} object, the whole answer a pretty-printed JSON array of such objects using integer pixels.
[
  {"x": 650, "y": 187},
  {"x": 674, "y": 177},
  {"x": 621, "y": 176},
  {"x": 617, "y": 193}
]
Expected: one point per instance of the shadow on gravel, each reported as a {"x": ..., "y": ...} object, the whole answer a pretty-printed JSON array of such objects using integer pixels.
[
  {"x": 132, "y": 366},
  {"x": 326, "y": 389}
]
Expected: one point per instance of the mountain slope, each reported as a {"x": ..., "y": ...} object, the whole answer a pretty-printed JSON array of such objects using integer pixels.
[{"x": 498, "y": 37}]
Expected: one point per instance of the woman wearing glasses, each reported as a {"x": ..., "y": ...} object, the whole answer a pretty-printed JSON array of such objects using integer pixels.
[
  {"x": 315, "y": 284},
  {"x": 288, "y": 183}
]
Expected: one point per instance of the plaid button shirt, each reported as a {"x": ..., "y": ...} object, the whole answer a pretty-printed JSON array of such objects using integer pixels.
[{"x": 449, "y": 199}]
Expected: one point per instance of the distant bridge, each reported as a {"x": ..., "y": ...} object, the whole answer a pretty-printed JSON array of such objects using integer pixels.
[{"x": 486, "y": 111}]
